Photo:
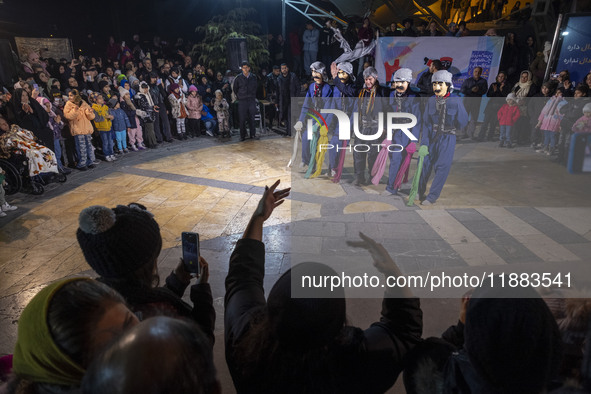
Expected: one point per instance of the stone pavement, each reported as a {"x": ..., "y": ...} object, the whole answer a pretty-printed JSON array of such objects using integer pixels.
[{"x": 500, "y": 209}]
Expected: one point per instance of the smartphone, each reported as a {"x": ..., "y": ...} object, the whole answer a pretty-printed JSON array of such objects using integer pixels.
[
  {"x": 190, "y": 243},
  {"x": 35, "y": 86},
  {"x": 158, "y": 81}
]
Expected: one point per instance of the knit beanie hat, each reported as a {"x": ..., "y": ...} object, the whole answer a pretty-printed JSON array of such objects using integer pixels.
[
  {"x": 402, "y": 74},
  {"x": 306, "y": 322},
  {"x": 348, "y": 68},
  {"x": 123, "y": 91},
  {"x": 370, "y": 72},
  {"x": 442, "y": 76},
  {"x": 319, "y": 67},
  {"x": 192, "y": 88},
  {"x": 511, "y": 96},
  {"x": 587, "y": 108},
  {"x": 512, "y": 339},
  {"x": 118, "y": 241},
  {"x": 173, "y": 86},
  {"x": 36, "y": 356},
  {"x": 113, "y": 102}
]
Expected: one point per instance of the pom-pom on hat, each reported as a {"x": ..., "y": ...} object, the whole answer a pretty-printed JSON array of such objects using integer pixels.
[
  {"x": 118, "y": 241},
  {"x": 402, "y": 74}
]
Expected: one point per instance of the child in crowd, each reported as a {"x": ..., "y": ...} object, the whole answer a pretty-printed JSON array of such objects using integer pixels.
[
  {"x": 583, "y": 124},
  {"x": 134, "y": 132},
  {"x": 220, "y": 105},
  {"x": 4, "y": 206},
  {"x": 56, "y": 124},
  {"x": 195, "y": 106},
  {"x": 508, "y": 115},
  {"x": 120, "y": 124},
  {"x": 208, "y": 120},
  {"x": 146, "y": 113},
  {"x": 549, "y": 121},
  {"x": 179, "y": 110},
  {"x": 102, "y": 122}
]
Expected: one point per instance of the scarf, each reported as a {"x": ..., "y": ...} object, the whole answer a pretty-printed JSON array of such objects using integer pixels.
[
  {"x": 36, "y": 356},
  {"x": 523, "y": 86},
  {"x": 322, "y": 141},
  {"x": 341, "y": 164},
  {"x": 423, "y": 151},
  {"x": 403, "y": 170}
]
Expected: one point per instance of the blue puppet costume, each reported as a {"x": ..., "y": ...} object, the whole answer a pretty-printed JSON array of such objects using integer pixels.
[
  {"x": 402, "y": 100},
  {"x": 318, "y": 90},
  {"x": 444, "y": 115},
  {"x": 368, "y": 105},
  {"x": 343, "y": 91}
]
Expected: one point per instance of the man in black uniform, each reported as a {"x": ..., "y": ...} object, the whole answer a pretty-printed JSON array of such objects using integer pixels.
[{"x": 245, "y": 88}]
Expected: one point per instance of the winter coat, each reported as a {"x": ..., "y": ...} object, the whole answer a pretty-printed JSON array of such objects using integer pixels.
[
  {"x": 366, "y": 361},
  {"x": 120, "y": 119},
  {"x": 146, "y": 108},
  {"x": 582, "y": 125},
  {"x": 550, "y": 116},
  {"x": 176, "y": 103},
  {"x": 469, "y": 83},
  {"x": 130, "y": 110},
  {"x": 508, "y": 115},
  {"x": 194, "y": 105},
  {"x": 310, "y": 39},
  {"x": 101, "y": 120},
  {"x": 167, "y": 301},
  {"x": 221, "y": 109},
  {"x": 496, "y": 97},
  {"x": 79, "y": 118},
  {"x": 245, "y": 87}
]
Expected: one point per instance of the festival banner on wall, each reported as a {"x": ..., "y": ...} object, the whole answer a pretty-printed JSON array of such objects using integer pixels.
[
  {"x": 459, "y": 55},
  {"x": 575, "y": 47}
]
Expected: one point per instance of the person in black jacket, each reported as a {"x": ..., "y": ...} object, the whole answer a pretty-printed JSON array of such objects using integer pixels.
[
  {"x": 497, "y": 91},
  {"x": 424, "y": 81},
  {"x": 288, "y": 87},
  {"x": 122, "y": 245},
  {"x": 303, "y": 345},
  {"x": 245, "y": 88},
  {"x": 161, "y": 124},
  {"x": 28, "y": 114}
]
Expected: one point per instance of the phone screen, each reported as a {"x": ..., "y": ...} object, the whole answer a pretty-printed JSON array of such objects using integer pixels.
[
  {"x": 190, "y": 243},
  {"x": 35, "y": 86}
]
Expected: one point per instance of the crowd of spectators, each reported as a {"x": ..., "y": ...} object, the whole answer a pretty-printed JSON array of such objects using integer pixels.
[{"x": 124, "y": 333}]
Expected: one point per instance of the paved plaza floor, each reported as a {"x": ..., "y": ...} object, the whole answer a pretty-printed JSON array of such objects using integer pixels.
[{"x": 500, "y": 208}]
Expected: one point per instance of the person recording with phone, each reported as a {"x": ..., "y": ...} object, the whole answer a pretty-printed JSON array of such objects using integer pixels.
[{"x": 122, "y": 245}]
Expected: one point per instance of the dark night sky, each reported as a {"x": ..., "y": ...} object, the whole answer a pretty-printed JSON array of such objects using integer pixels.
[{"x": 168, "y": 18}]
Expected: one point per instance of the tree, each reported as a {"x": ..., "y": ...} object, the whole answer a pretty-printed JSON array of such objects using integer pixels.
[{"x": 237, "y": 23}]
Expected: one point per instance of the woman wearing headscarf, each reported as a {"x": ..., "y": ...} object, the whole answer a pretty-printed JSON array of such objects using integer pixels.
[
  {"x": 523, "y": 89},
  {"x": 60, "y": 330},
  {"x": 28, "y": 114}
]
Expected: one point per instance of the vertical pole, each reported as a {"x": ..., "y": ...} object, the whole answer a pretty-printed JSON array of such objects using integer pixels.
[
  {"x": 283, "y": 19},
  {"x": 554, "y": 48}
]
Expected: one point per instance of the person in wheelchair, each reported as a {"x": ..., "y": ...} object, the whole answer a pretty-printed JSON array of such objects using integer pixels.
[{"x": 41, "y": 161}]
